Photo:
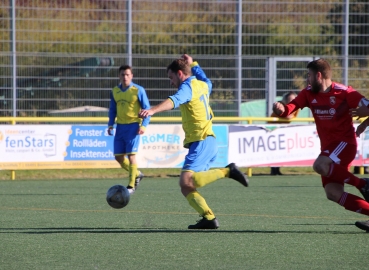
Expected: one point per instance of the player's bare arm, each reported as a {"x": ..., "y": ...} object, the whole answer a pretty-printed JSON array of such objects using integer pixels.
[
  {"x": 362, "y": 127},
  {"x": 360, "y": 112},
  {"x": 166, "y": 105},
  {"x": 278, "y": 108}
]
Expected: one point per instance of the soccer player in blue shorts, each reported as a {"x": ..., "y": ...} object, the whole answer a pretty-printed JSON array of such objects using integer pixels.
[
  {"x": 126, "y": 101},
  {"x": 192, "y": 97}
]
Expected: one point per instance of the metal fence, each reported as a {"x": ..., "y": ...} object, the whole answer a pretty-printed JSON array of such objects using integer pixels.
[{"x": 66, "y": 53}]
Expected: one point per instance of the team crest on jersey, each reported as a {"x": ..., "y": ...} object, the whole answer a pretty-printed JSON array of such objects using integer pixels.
[{"x": 332, "y": 100}]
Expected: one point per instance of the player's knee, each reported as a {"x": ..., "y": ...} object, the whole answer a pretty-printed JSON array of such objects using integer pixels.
[
  {"x": 186, "y": 189},
  {"x": 321, "y": 168},
  {"x": 317, "y": 167},
  {"x": 186, "y": 185}
]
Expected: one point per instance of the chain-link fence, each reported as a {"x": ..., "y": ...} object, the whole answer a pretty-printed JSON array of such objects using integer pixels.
[{"x": 66, "y": 53}]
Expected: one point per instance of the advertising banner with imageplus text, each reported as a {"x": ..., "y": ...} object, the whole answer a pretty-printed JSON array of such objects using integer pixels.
[{"x": 282, "y": 145}]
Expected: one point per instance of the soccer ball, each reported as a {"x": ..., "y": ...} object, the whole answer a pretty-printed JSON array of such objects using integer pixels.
[{"x": 117, "y": 196}]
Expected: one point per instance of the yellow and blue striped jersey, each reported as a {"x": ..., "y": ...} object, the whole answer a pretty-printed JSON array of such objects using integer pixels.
[
  {"x": 125, "y": 104},
  {"x": 192, "y": 98}
]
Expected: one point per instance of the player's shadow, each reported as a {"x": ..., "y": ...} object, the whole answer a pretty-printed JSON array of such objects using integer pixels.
[{"x": 162, "y": 230}]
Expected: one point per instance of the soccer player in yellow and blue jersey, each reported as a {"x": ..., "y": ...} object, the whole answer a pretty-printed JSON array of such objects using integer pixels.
[
  {"x": 126, "y": 101},
  {"x": 192, "y": 98}
]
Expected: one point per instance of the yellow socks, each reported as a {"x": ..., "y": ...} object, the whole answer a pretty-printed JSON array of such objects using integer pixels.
[
  {"x": 132, "y": 175},
  {"x": 125, "y": 164},
  {"x": 199, "y": 204},
  {"x": 201, "y": 179}
]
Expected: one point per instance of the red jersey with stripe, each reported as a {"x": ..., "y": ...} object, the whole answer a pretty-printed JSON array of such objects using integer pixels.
[{"x": 330, "y": 111}]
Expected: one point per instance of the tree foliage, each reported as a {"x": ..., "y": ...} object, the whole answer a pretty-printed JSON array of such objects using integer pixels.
[{"x": 48, "y": 31}]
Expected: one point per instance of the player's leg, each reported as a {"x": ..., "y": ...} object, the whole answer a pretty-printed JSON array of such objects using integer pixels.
[
  {"x": 132, "y": 143},
  {"x": 230, "y": 171},
  {"x": 334, "y": 162},
  {"x": 119, "y": 154},
  {"x": 195, "y": 174},
  {"x": 199, "y": 156},
  {"x": 337, "y": 157},
  {"x": 124, "y": 163},
  {"x": 197, "y": 202},
  {"x": 335, "y": 192},
  {"x": 120, "y": 159},
  {"x": 119, "y": 147},
  {"x": 132, "y": 171},
  {"x": 199, "y": 159}
]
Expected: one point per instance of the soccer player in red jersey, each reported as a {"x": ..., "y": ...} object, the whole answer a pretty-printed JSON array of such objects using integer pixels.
[{"x": 330, "y": 103}]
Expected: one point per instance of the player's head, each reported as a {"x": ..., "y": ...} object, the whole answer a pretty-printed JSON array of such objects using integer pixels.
[
  {"x": 318, "y": 70},
  {"x": 288, "y": 97},
  {"x": 178, "y": 71},
  {"x": 125, "y": 75}
]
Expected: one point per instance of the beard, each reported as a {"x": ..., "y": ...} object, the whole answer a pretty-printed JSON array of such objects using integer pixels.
[{"x": 315, "y": 87}]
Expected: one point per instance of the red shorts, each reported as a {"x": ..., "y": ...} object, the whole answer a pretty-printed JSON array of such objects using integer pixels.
[{"x": 340, "y": 153}]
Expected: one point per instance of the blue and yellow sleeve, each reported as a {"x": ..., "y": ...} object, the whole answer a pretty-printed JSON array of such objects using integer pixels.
[
  {"x": 183, "y": 95},
  {"x": 145, "y": 104},
  {"x": 200, "y": 75},
  {"x": 112, "y": 110}
]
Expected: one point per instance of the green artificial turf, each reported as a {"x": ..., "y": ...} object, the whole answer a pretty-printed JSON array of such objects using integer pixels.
[{"x": 282, "y": 222}]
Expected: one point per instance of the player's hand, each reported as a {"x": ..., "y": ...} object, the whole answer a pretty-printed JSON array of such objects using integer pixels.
[
  {"x": 360, "y": 129},
  {"x": 141, "y": 130},
  {"x": 278, "y": 108},
  {"x": 360, "y": 112},
  {"x": 187, "y": 58},
  {"x": 145, "y": 113},
  {"x": 110, "y": 130}
]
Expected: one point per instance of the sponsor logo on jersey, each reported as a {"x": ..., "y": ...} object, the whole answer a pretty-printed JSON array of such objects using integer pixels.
[
  {"x": 320, "y": 111},
  {"x": 330, "y": 111}
]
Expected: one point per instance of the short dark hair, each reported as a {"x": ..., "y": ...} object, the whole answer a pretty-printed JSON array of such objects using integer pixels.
[
  {"x": 287, "y": 95},
  {"x": 179, "y": 65},
  {"x": 322, "y": 66},
  {"x": 125, "y": 67}
]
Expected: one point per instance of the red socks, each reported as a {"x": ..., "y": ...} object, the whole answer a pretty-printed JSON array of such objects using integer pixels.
[
  {"x": 354, "y": 203},
  {"x": 341, "y": 173}
]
